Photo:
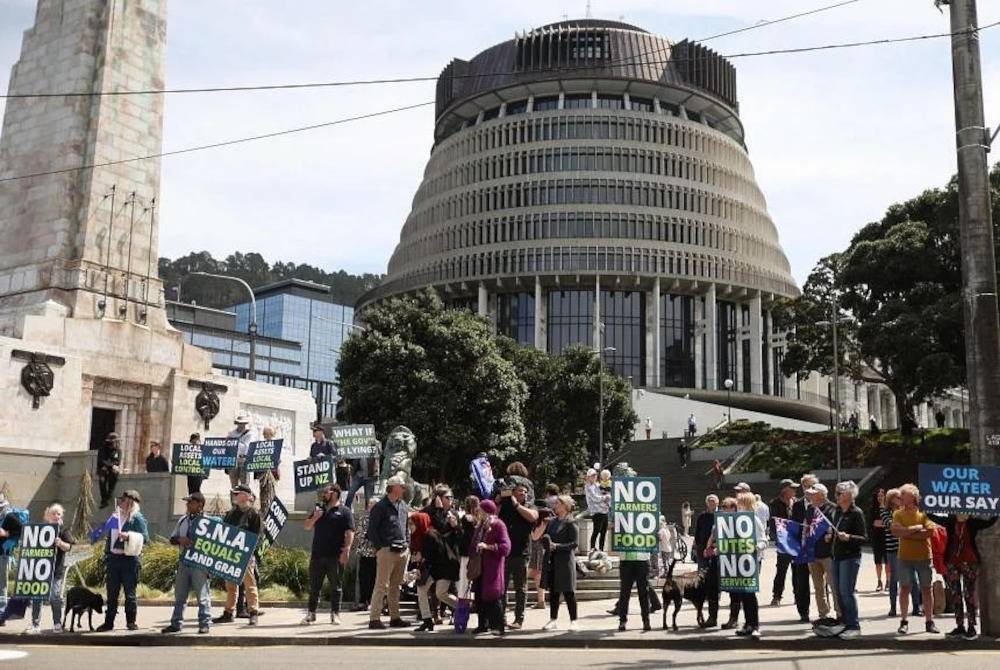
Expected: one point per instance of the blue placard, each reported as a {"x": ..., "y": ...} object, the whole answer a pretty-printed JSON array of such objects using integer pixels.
[
  {"x": 219, "y": 548},
  {"x": 263, "y": 456},
  {"x": 960, "y": 489},
  {"x": 219, "y": 453}
]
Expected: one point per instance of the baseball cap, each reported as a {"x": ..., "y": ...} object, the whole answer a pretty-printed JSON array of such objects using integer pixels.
[
  {"x": 197, "y": 495},
  {"x": 241, "y": 488},
  {"x": 818, "y": 488},
  {"x": 742, "y": 486},
  {"x": 591, "y": 472},
  {"x": 789, "y": 482},
  {"x": 395, "y": 480}
]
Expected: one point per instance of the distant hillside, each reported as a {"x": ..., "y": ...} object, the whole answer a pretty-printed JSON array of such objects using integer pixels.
[{"x": 254, "y": 270}]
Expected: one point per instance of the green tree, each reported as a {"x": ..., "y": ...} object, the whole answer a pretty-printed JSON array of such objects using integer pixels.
[{"x": 440, "y": 373}]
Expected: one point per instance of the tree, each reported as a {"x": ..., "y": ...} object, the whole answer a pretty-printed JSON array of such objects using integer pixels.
[{"x": 440, "y": 373}]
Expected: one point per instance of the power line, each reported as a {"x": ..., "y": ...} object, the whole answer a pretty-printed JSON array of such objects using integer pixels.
[{"x": 216, "y": 145}]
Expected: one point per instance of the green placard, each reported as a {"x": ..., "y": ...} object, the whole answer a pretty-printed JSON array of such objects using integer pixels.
[
  {"x": 635, "y": 514},
  {"x": 736, "y": 543}
]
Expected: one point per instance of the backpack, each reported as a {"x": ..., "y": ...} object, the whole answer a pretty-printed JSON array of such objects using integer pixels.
[
  {"x": 939, "y": 544},
  {"x": 11, "y": 543}
]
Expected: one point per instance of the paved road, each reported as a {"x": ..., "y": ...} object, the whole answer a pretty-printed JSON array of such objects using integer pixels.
[{"x": 38, "y": 657}]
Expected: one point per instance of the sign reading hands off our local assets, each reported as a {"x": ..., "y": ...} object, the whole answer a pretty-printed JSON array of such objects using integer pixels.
[
  {"x": 635, "y": 514},
  {"x": 37, "y": 563},
  {"x": 313, "y": 473},
  {"x": 736, "y": 543},
  {"x": 355, "y": 441},
  {"x": 960, "y": 489},
  {"x": 223, "y": 550}
]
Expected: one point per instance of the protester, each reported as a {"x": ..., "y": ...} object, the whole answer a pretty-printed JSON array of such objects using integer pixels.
[
  {"x": 189, "y": 578},
  {"x": 598, "y": 504},
  {"x": 64, "y": 542},
  {"x": 491, "y": 544},
  {"x": 467, "y": 529},
  {"x": 418, "y": 524},
  {"x": 848, "y": 535},
  {"x": 366, "y": 558},
  {"x": 537, "y": 556},
  {"x": 633, "y": 569},
  {"x": 962, "y": 560},
  {"x": 560, "y": 542},
  {"x": 11, "y": 526},
  {"x": 781, "y": 508},
  {"x": 735, "y": 601},
  {"x": 109, "y": 461},
  {"x": 155, "y": 461},
  {"x": 320, "y": 446},
  {"x": 129, "y": 531},
  {"x": 687, "y": 515},
  {"x": 517, "y": 473},
  {"x": 889, "y": 505},
  {"x": 914, "y": 529},
  {"x": 821, "y": 567},
  {"x": 194, "y": 481},
  {"x": 242, "y": 432},
  {"x": 703, "y": 527},
  {"x": 267, "y": 478},
  {"x": 747, "y": 502},
  {"x": 387, "y": 529},
  {"x": 519, "y": 518},
  {"x": 333, "y": 533},
  {"x": 801, "y": 580},
  {"x": 877, "y": 535},
  {"x": 439, "y": 573},
  {"x": 243, "y": 516},
  {"x": 366, "y": 471},
  {"x": 551, "y": 493}
]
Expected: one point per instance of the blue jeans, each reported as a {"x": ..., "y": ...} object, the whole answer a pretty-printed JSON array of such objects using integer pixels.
[
  {"x": 191, "y": 579},
  {"x": 358, "y": 480},
  {"x": 123, "y": 573},
  {"x": 845, "y": 578},
  {"x": 55, "y": 600}
]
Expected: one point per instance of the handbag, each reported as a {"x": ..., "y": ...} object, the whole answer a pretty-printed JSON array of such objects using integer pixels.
[
  {"x": 134, "y": 543},
  {"x": 474, "y": 568}
]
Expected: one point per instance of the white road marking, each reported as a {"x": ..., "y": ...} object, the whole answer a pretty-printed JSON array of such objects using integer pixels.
[{"x": 11, "y": 654}]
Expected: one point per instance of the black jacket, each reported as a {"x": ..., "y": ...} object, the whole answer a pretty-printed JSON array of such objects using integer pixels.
[
  {"x": 249, "y": 519},
  {"x": 853, "y": 523},
  {"x": 824, "y": 549},
  {"x": 157, "y": 464},
  {"x": 383, "y": 525},
  {"x": 441, "y": 558},
  {"x": 972, "y": 525},
  {"x": 108, "y": 456},
  {"x": 703, "y": 527}
]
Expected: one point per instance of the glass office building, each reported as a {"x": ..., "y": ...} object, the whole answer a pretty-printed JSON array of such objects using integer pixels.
[{"x": 593, "y": 186}]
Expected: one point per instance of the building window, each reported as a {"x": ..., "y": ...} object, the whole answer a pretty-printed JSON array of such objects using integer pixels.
[
  {"x": 546, "y": 103},
  {"x": 570, "y": 319},
  {"x": 519, "y": 107},
  {"x": 577, "y": 101},
  {"x": 677, "y": 341},
  {"x": 641, "y": 104},
  {"x": 491, "y": 114},
  {"x": 624, "y": 316},
  {"x": 516, "y": 317},
  {"x": 725, "y": 343},
  {"x": 610, "y": 102}
]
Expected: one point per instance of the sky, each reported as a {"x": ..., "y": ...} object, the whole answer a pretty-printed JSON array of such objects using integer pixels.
[{"x": 835, "y": 136}]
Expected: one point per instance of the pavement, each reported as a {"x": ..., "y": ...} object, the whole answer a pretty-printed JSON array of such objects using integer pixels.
[{"x": 781, "y": 629}]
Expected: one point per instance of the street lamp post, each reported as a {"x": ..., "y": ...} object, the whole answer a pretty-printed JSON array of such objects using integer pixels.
[
  {"x": 251, "y": 329},
  {"x": 836, "y": 381},
  {"x": 600, "y": 412},
  {"x": 729, "y": 400}
]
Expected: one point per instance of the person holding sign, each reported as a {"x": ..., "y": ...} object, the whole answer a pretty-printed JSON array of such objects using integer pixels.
[
  {"x": 962, "y": 561},
  {"x": 747, "y": 502},
  {"x": 243, "y": 516},
  {"x": 189, "y": 578},
  {"x": 127, "y": 534},
  {"x": 64, "y": 541},
  {"x": 242, "y": 432}
]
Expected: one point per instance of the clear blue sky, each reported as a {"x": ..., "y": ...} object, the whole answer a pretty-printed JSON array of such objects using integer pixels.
[{"x": 835, "y": 136}]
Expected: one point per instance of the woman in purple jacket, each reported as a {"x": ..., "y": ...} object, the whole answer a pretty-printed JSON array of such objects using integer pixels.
[{"x": 492, "y": 542}]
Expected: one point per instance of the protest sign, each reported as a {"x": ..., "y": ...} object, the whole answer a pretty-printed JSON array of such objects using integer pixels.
[
  {"x": 263, "y": 456},
  {"x": 219, "y": 453},
  {"x": 36, "y": 564},
  {"x": 313, "y": 473},
  {"x": 355, "y": 440},
  {"x": 221, "y": 549},
  {"x": 736, "y": 543},
  {"x": 188, "y": 459},
  {"x": 270, "y": 526},
  {"x": 960, "y": 489},
  {"x": 635, "y": 513}
]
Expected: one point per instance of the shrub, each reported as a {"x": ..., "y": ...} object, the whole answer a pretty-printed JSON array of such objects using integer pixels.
[{"x": 283, "y": 566}]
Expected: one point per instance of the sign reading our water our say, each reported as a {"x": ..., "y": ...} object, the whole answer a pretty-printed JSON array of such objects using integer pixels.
[
  {"x": 188, "y": 459},
  {"x": 270, "y": 526},
  {"x": 736, "y": 543},
  {"x": 221, "y": 549},
  {"x": 960, "y": 489},
  {"x": 263, "y": 456},
  {"x": 635, "y": 514},
  {"x": 355, "y": 440},
  {"x": 37, "y": 562},
  {"x": 219, "y": 453},
  {"x": 313, "y": 473}
]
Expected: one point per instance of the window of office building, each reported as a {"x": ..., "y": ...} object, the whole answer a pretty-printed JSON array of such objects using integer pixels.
[
  {"x": 546, "y": 103},
  {"x": 624, "y": 317},
  {"x": 777, "y": 356},
  {"x": 518, "y": 107},
  {"x": 570, "y": 319},
  {"x": 610, "y": 101},
  {"x": 577, "y": 101},
  {"x": 641, "y": 104},
  {"x": 516, "y": 317},
  {"x": 677, "y": 340},
  {"x": 726, "y": 343}
]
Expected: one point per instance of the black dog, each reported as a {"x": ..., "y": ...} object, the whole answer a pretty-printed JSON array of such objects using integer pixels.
[
  {"x": 80, "y": 599},
  {"x": 689, "y": 586}
]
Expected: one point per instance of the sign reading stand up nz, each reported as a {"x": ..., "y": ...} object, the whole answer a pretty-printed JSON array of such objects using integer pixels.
[{"x": 312, "y": 474}]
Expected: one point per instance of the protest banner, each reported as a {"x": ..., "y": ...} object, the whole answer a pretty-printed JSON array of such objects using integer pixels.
[
  {"x": 263, "y": 456},
  {"x": 313, "y": 473},
  {"x": 221, "y": 549},
  {"x": 270, "y": 526},
  {"x": 188, "y": 459},
  {"x": 36, "y": 564},
  {"x": 219, "y": 453},
  {"x": 355, "y": 441},
  {"x": 736, "y": 543},
  {"x": 960, "y": 489},
  {"x": 635, "y": 513}
]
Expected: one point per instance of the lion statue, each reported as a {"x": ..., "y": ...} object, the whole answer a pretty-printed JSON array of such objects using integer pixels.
[{"x": 397, "y": 459}]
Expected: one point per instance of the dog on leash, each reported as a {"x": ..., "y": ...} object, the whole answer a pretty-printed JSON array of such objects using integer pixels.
[
  {"x": 689, "y": 586},
  {"x": 80, "y": 599}
]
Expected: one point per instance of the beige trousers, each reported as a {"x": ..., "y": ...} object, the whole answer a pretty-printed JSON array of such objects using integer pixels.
[
  {"x": 821, "y": 570},
  {"x": 390, "y": 568}
]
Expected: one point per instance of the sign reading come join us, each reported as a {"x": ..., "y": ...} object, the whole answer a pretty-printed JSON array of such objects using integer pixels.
[{"x": 635, "y": 514}]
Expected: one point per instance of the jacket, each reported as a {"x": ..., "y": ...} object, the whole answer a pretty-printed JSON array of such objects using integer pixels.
[
  {"x": 853, "y": 523},
  {"x": 972, "y": 525},
  {"x": 560, "y": 557},
  {"x": 440, "y": 557},
  {"x": 137, "y": 524},
  {"x": 383, "y": 525},
  {"x": 247, "y": 519},
  {"x": 596, "y": 502},
  {"x": 491, "y": 583}
]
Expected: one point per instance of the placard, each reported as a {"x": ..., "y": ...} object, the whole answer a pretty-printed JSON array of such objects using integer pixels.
[
  {"x": 270, "y": 526},
  {"x": 736, "y": 543},
  {"x": 635, "y": 514},
  {"x": 312, "y": 474},
  {"x": 263, "y": 456},
  {"x": 188, "y": 459},
  {"x": 219, "y": 453},
  {"x": 960, "y": 489},
  {"x": 221, "y": 549},
  {"x": 36, "y": 564}
]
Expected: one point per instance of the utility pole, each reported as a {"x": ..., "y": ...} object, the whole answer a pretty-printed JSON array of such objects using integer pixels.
[{"x": 979, "y": 288}]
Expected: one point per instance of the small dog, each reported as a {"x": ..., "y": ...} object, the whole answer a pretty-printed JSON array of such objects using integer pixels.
[
  {"x": 80, "y": 599},
  {"x": 689, "y": 586}
]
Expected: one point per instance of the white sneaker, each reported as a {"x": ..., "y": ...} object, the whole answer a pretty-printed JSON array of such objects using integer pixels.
[
  {"x": 850, "y": 634},
  {"x": 309, "y": 618},
  {"x": 573, "y": 626},
  {"x": 32, "y": 630},
  {"x": 755, "y": 634},
  {"x": 551, "y": 625},
  {"x": 335, "y": 619},
  {"x": 57, "y": 628}
]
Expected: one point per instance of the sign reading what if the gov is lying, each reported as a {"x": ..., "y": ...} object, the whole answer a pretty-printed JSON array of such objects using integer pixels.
[
  {"x": 736, "y": 543},
  {"x": 221, "y": 549},
  {"x": 355, "y": 440},
  {"x": 36, "y": 564},
  {"x": 635, "y": 514},
  {"x": 313, "y": 473},
  {"x": 960, "y": 489}
]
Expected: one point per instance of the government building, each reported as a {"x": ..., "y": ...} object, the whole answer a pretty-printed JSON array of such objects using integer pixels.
[{"x": 590, "y": 184}]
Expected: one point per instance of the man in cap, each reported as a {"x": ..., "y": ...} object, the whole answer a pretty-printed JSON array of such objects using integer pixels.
[
  {"x": 387, "y": 531},
  {"x": 245, "y": 517},
  {"x": 781, "y": 508},
  {"x": 821, "y": 568},
  {"x": 109, "y": 461},
  {"x": 122, "y": 569},
  {"x": 332, "y": 524},
  {"x": 242, "y": 432},
  {"x": 189, "y": 578},
  {"x": 801, "y": 582}
]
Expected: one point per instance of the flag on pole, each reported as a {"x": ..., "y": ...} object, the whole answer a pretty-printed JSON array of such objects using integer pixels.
[
  {"x": 813, "y": 532},
  {"x": 110, "y": 526}
]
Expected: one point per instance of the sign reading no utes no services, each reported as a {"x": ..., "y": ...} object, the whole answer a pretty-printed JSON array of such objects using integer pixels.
[{"x": 635, "y": 514}]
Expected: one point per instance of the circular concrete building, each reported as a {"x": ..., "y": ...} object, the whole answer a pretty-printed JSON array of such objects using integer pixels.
[{"x": 589, "y": 183}]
